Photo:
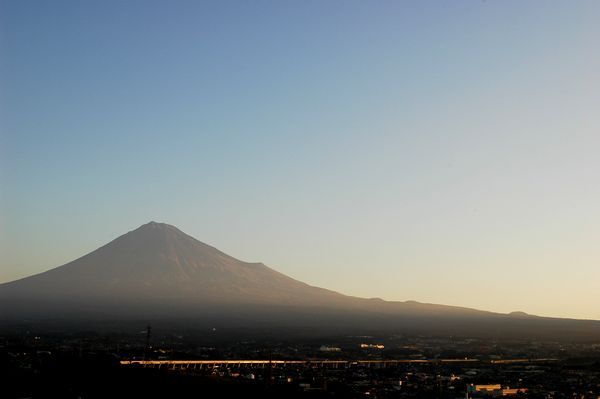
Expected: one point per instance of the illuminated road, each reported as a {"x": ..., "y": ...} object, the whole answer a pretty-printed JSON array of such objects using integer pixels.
[{"x": 212, "y": 364}]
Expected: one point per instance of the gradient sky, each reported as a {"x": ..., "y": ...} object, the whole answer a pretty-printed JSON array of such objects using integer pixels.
[{"x": 445, "y": 152}]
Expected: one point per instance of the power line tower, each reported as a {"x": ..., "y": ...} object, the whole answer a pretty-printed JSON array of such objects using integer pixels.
[{"x": 147, "y": 348}]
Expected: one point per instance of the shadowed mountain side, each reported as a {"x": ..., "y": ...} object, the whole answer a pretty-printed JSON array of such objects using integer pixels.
[{"x": 158, "y": 272}]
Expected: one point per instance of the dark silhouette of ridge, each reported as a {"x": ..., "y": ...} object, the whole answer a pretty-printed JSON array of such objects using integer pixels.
[{"x": 159, "y": 272}]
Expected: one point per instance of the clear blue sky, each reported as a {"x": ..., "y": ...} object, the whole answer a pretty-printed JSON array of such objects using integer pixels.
[{"x": 445, "y": 152}]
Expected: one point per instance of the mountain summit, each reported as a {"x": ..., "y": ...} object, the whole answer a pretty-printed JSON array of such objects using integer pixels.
[
  {"x": 156, "y": 271},
  {"x": 158, "y": 262}
]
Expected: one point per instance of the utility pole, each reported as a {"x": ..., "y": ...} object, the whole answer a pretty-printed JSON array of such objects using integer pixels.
[
  {"x": 270, "y": 369},
  {"x": 147, "y": 349}
]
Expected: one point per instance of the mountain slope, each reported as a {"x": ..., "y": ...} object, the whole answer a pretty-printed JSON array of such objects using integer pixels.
[
  {"x": 158, "y": 264},
  {"x": 159, "y": 261},
  {"x": 157, "y": 271}
]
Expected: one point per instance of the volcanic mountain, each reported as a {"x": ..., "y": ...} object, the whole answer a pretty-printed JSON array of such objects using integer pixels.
[
  {"x": 159, "y": 263},
  {"x": 159, "y": 272}
]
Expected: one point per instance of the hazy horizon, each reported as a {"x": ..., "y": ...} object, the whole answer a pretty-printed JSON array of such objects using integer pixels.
[{"x": 439, "y": 152}]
